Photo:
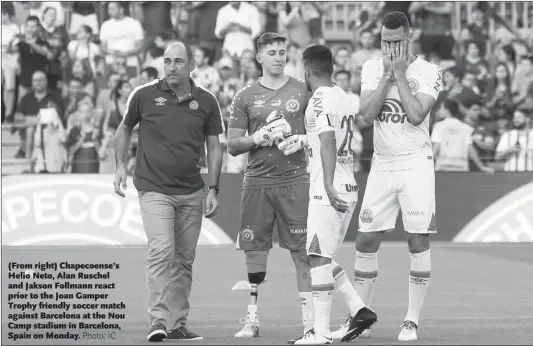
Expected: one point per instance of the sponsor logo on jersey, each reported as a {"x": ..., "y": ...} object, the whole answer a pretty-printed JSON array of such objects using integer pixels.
[
  {"x": 413, "y": 85},
  {"x": 247, "y": 235},
  {"x": 509, "y": 219},
  {"x": 193, "y": 105},
  {"x": 297, "y": 230},
  {"x": 275, "y": 103},
  {"x": 351, "y": 188},
  {"x": 393, "y": 112},
  {"x": 366, "y": 216},
  {"x": 259, "y": 103},
  {"x": 292, "y": 106},
  {"x": 415, "y": 213}
]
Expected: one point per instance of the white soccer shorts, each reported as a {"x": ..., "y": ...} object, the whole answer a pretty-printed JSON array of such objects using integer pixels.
[
  {"x": 411, "y": 190},
  {"x": 326, "y": 229}
]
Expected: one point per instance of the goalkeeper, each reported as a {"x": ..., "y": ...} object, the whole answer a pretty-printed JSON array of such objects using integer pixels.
[{"x": 276, "y": 184}]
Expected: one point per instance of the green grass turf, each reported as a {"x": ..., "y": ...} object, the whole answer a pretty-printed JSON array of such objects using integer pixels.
[{"x": 479, "y": 294}]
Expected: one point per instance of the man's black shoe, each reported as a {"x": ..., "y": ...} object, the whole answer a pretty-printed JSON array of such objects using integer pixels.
[
  {"x": 157, "y": 333},
  {"x": 182, "y": 333},
  {"x": 364, "y": 319}
]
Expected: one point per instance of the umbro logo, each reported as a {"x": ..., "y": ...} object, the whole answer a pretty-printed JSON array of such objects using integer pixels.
[{"x": 160, "y": 101}]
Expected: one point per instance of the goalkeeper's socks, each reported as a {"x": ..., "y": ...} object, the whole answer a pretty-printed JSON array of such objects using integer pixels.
[
  {"x": 343, "y": 285},
  {"x": 308, "y": 310},
  {"x": 323, "y": 288},
  {"x": 366, "y": 273},
  {"x": 418, "y": 284}
]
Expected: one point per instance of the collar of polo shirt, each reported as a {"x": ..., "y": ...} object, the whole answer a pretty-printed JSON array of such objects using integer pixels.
[{"x": 194, "y": 89}]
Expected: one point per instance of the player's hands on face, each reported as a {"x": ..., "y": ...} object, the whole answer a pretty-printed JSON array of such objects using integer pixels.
[
  {"x": 386, "y": 51},
  {"x": 211, "y": 204},
  {"x": 400, "y": 59},
  {"x": 120, "y": 181},
  {"x": 336, "y": 202}
]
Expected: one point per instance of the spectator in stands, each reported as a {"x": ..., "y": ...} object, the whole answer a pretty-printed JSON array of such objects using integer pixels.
[
  {"x": 83, "y": 141},
  {"x": 312, "y": 13},
  {"x": 476, "y": 31},
  {"x": 39, "y": 98},
  {"x": 473, "y": 62},
  {"x": 154, "y": 55},
  {"x": 147, "y": 75},
  {"x": 33, "y": 54},
  {"x": 75, "y": 92},
  {"x": 507, "y": 55},
  {"x": 230, "y": 84},
  {"x": 238, "y": 24},
  {"x": 38, "y": 8},
  {"x": 57, "y": 39},
  {"x": 82, "y": 70},
  {"x": 117, "y": 107},
  {"x": 294, "y": 24},
  {"x": 452, "y": 141},
  {"x": 204, "y": 30},
  {"x": 121, "y": 36},
  {"x": 363, "y": 50},
  {"x": 342, "y": 59},
  {"x": 483, "y": 137},
  {"x": 49, "y": 154},
  {"x": 83, "y": 48},
  {"x": 105, "y": 96},
  {"x": 500, "y": 100},
  {"x": 10, "y": 32},
  {"x": 516, "y": 145},
  {"x": 83, "y": 14},
  {"x": 205, "y": 75},
  {"x": 470, "y": 81},
  {"x": 523, "y": 79},
  {"x": 455, "y": 90},
  {"x": 435, "y": 23},
  {"x": 247, "y": 58},
  {"x": 295, "y": 65}
]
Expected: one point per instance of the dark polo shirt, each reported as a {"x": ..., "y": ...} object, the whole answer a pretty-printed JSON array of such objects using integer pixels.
[{"x": 171, "y": 136}]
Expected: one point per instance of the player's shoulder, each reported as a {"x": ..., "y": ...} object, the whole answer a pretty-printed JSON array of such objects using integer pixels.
[
  {"x": 424, "y": 66},
  {"x": 298, "y": 83},
  {"x": 246, "y": 92},
  {"x": 146, "y": 88}
]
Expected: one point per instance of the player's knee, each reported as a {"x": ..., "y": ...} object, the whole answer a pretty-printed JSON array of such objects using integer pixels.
[
  {"x": 256, "y": 278},
  {"x": 417, "y": 243},
  {"x": 256, "y": 260},
  {"x": 318, "y": 261},
  {"x": 368, "y": 242}
]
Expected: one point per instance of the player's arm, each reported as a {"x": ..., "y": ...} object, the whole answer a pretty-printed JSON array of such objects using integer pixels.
[
  {"x": 131, "y": 118},
  {"x": 238, "y": 142},
  {"x": 213, "y": 128},
  {"x": 418, "y": 106},
  {"x": 373, "y": 90}
]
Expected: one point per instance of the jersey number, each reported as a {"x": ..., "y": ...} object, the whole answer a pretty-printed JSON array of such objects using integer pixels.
[{"x": 348, "y": 123}]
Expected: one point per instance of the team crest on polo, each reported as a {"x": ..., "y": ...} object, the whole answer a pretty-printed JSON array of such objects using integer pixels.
[
  {"x": 413, "y": 85},
  {"x": 247, "y": 235},
  {"x": 367, "y": 216},
  {"x": 292, "y": 105},
  {"x": 193, "y": 105}
]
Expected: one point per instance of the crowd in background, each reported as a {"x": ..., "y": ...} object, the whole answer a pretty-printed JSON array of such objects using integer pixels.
[{"x": 68, "y": 68}]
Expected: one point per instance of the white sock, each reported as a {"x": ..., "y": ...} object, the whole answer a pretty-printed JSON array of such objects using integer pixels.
[
  {"x": 418, "y": 284},
  {"x": 343, "y": 285},
  {"x": 366, "y": 273},
  {"x": 323, "y": 288},
  {"x": 308, "y": 310}
]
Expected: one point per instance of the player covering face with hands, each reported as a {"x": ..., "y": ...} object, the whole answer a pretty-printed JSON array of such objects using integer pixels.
[
  {"x": 333, "y": 193},
  {"x": 398, "y": 91}
]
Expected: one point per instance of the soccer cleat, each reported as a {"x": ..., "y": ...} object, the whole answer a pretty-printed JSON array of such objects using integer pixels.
[
  {"x": 251, "y": 327},
  {"x": 339, "y": 333},
  {"x": 307, "y": 327},
  {"x": 312, "y": 338},
  {"x": 157, "y": 333},
  {"x": 408, "y": 332},
  {"x": 182, "y": 333},
  {"x": 363, "y": 320}
]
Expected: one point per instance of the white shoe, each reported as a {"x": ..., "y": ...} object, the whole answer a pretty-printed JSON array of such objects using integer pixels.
[
  {"x": 308, "y": 325},
  {"x": 408, "y": 332},
  {"x": 312, "y": 338},
  {"x": 251, "y": 327},
  {"x": 339, "y": 333}
]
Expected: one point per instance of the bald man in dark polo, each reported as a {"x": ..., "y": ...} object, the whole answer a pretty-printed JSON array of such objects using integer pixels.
[{"x": 175, "y": 119}]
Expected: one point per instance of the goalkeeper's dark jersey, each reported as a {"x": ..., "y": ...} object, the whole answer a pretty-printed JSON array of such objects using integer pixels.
[{"x": 267, "y": 165}]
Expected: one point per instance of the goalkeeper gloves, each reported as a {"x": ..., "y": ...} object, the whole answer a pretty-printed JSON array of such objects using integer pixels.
[
  {"x": 275, "y": 128},
  {"x": 292, "y": 144}
]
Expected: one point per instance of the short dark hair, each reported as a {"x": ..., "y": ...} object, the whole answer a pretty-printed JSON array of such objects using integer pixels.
[
  {"x": 346, "y": 72},
  {"x": 453, "y": 107},
  {"x": 455, "y": 71},
  {"x": 396, "y": 19},
  {"x": 319, "y": 59},
  {"x": 33, "y": 19},
  {"x": 269, "y": 38},
  {"x": 150, "y": 71}
]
